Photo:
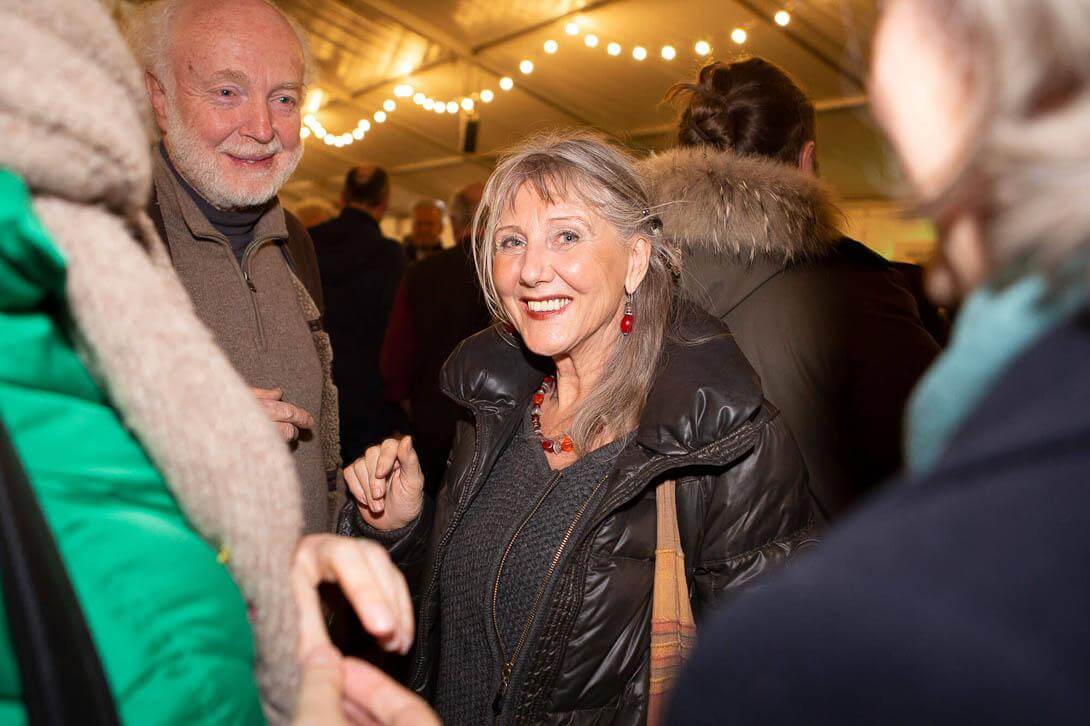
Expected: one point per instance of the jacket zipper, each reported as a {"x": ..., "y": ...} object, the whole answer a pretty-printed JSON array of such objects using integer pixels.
[
  {"x": 510, "y": 661},
  {"x": 244, "y": 267}
]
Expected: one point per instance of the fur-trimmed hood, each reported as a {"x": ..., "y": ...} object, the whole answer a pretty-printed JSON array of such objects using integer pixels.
[{"x": 740, "y": 206}]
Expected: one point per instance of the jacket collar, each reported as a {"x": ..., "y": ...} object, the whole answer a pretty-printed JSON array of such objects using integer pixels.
[
  {"x": 169, "y": 190},
  {"x": 743, "y": 207},
  {"x": 356, "y": 215},
  {"x": 705, "y": 388}
]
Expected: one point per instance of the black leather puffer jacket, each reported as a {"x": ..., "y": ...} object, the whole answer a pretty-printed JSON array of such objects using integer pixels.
[{"x": 743, "y": 506}]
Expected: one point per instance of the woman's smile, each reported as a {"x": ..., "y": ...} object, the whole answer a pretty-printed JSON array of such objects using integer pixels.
[{"x": 544, "y": 308}]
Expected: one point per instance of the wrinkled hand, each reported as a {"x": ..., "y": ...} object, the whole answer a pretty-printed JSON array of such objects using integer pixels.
[
  {"x": 289, "y": 419},
  {"x": 337, "y": 690},
  {"x": 388, "y": 484}
]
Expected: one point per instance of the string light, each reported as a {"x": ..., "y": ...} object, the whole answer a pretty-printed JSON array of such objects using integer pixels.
[
  {"x": 357, "y": 133},
  {"x": 506, "y": 83},
  {"x": 527, "y": 67},
  {"x": 405, "y": 68},
  {"x": 572, "y": 28},
  {"x": 440, "y": 107},
  {"x": 452, "y": 107},
  {"x": 782, "y": 18},
  {"x": 467, "y": 104},
  {"x": 669, "y": 52},
  {"x": 304, "y": 132},
  {"x": 590, "y": 40},
  {"x": 702, "y": 48},
  {"x": 365, "y": 125},
  {"x": 551, "y": 46},
  {"x": 428, "y": 104},
  {"x": 739, "y": 35},
  {"x": 314, "y": 100},
  {"x": 487, "y": 95},
  {"x": 403, "y": 90},
  {"x": 389, "y": 106},
  {"x": 613, "y": 49},
  {"x": 639, "y": 53},
  {"x": 380, "y": 117},
  {"x": 419, "y": 98}
]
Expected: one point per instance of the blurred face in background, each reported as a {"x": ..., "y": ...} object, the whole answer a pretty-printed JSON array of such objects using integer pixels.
[
  {"x": 427, "y": 226},
  {"x": 920, "y": 99},
  {"x": 230, "y": 109}
]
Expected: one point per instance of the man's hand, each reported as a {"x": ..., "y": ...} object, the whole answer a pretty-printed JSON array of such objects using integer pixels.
[{"x": 289, "y": 419}]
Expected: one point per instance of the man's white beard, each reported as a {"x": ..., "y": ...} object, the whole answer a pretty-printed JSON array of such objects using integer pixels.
[{"x": 201, "y": 170}]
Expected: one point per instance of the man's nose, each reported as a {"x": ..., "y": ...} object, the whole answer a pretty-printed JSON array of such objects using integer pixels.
[{"x": 258, "y": 122}]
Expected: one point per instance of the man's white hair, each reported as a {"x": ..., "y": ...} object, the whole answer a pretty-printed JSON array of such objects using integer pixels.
[{"x": 148, "y": 29}]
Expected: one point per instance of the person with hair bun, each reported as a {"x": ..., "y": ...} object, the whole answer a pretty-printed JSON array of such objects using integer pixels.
[{"x": 831, "y": 328}]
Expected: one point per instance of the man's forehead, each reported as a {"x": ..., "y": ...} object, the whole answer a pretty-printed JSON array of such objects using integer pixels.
[{"x": 235, "y": 41}]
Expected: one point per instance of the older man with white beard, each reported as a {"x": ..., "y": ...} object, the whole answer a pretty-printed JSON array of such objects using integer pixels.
[{"x": 226, "y": 80}]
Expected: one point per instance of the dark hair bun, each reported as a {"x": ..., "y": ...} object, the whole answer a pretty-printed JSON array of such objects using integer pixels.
[{"x": 750, "y": 107}]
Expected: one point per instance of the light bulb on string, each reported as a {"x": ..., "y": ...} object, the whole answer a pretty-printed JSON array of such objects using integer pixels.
[
  {"x": 328, "y": 139},
  {"x": 487, "y": 95},
  {"x": 380, "y": 117},
  {"x": 669, "y": 52},
  {"x": 389, "y": 106},
  {"x": 506, "y": 83},
  {"x": 403, "y": 90},
  {"x": 365, "y": 125},
  {"x": 527, "y": 67},
  {"x": 572, "y": 28},
  {"x": 702, "y": 48},
  {"x": 590, "y": 40},
  {"x": 551, "y": 46},
  {"x": 467, "y": 104},
  {"x": 419, "y": 98},
  {"x": 428, "y": 104},
  {"x": 440, "y": 107},
  {"x": 452, "y": 107},
  {"x": 357, "y": 133},
  {"x": 639, "y": 53},
  {"x": 782, "y": 18},
  {"x": 739, "y": 35},
  {"x": 613, "y": 49},
  {"x": 304, "y": 132}
]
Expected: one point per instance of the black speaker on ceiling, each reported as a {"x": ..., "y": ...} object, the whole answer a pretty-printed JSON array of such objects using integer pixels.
[{"x": 468, "y": 126}]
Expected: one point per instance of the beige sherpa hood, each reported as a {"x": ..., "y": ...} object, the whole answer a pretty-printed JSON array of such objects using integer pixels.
[{"x": 744, "y": 207}]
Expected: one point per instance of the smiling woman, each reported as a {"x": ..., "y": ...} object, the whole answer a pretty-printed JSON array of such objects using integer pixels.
[{"x": 595, "y": 388}]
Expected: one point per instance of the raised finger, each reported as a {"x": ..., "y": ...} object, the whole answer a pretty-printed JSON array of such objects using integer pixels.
[
  {"x": 385, "y": 699},
  {"x": 355, "y": 476},
  {"x": 376, "y": 484},
  {"x": 390, "y": 579},
  {"x": 387, "y": 458},
  {"x": 345, "y": 562},
  {"x": 409, "y": 462},
  {"x": 306, "y": 574}
]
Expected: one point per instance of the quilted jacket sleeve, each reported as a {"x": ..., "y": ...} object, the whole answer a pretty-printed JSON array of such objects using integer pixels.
[{"x": 741, "y": 521}]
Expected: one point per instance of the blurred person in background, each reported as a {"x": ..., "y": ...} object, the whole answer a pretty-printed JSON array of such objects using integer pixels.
[
  {"x": 226, "y": 80},
  {"x": 959, "y": 594},
  {"x": 831, "y": 328},
  {"x": 424, "y": 239},
  {"x": 539, "y": 552},
  {"x": 314, "y": 211},
  {"x": 361, "y": 269},
  {"x": 438, "y": 305}
]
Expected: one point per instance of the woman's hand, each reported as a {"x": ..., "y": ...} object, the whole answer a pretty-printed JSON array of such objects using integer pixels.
[
  {"x": 337, "y": 690},
  {"x": 371, "y": 582},
  {"x": 388, "y": 484}
]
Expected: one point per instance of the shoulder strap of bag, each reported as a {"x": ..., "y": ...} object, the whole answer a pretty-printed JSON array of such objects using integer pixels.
[
  {"x": 673, "y": 629},
  {"x": 61, "y": 677}
]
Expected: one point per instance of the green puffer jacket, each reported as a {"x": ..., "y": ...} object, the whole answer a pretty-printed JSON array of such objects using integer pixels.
[{"x": 169, "y": 623}]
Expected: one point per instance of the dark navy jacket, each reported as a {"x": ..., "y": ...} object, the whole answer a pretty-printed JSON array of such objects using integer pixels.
[{"x": 959, "y": 597}]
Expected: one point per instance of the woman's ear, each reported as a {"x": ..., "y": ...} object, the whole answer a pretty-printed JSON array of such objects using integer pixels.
[{"x": 638, "y": 261}]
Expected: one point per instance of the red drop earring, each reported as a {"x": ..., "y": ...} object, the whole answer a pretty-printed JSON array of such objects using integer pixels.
[{"x": 629, "y": 319}]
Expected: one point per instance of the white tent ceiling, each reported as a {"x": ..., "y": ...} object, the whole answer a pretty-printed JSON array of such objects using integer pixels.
[{"x": 449, "y": 49}]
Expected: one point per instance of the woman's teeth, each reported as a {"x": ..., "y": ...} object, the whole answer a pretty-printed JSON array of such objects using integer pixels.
[{"x": 547, "y": 306}]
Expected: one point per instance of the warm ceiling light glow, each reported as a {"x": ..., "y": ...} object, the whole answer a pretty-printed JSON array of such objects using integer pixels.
[
  {"x": 452, "y": 107},
  {"x": 429, "y": 104},
  {"x": 405, "y": 68},
  {"x": 639, "y": 53},
  {"x": 320, "y": 133},
  {"x": 527, "y": 67},
  {"x": 487, "y": 95},
  {"x": 572, "y": 28},
  {"x": 506, "y": 83},
  {"x": 389, "y": 105},
  {"x": 418, "y": 98},
  {"x": 590, "y": 40},
  {"x": 357, "y": 133},
  {"x": 440, "y": 107},
  {"x": 782, "y": 18},
  {"x": 739, "y": 35},
  {"x": 669, "y": 52},
  {"x": 314, "y": 100},
  {"x": 365, "y": 125},
  {"x": 467, "y": 104},
  {"x": 403, "y": 90},
  {"x": 613, "y": 49},
  {"x": 304, "y": 132},
  {"x": 551, "y": 46},
  {"x": 702, "y": 48},
  {"x": 328, "y": 138},
  {"x": 310, "y": 119},
  {"x": 380, "y": 117}
]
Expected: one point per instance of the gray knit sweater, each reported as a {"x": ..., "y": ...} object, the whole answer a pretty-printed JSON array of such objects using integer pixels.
[{"x": 470, "y": 656}]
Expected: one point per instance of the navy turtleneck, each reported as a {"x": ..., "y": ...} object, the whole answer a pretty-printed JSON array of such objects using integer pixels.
[{"x": 237, "y": 225}]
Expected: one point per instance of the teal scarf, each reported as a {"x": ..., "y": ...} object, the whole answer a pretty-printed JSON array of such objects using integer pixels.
[{"x": 993, "y": 328}]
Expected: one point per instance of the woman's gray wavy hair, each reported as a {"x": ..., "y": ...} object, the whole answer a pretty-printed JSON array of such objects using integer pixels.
[
  {"x": 584, "y": 165},
  {"x": 1027, "y": 162}
]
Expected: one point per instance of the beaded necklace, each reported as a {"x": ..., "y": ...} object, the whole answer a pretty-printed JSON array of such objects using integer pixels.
[{"x": 552, "y": 446}]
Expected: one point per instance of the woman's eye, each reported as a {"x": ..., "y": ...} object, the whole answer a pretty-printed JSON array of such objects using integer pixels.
[
  {"x": 510, "y": 243},
  {"x": 225, "y": 93},
  {"x": 568, "y": 238}
]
